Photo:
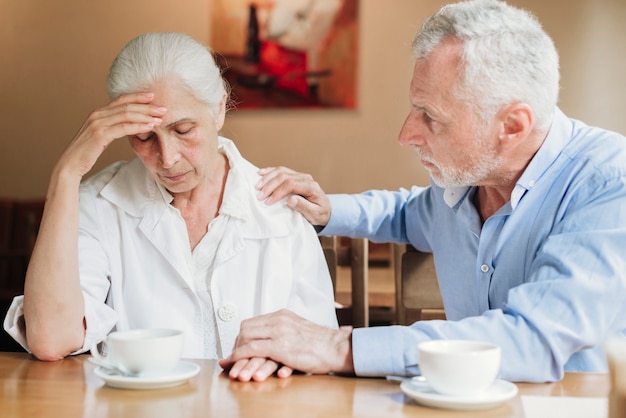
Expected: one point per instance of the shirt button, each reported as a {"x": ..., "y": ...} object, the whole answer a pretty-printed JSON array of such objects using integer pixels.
[
  {"x": 227, "y": 312},
  {"x": 484, "y": 268}
]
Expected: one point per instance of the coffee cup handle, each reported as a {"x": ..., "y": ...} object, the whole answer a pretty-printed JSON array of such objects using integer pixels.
[{"x": 95, "y": 351}]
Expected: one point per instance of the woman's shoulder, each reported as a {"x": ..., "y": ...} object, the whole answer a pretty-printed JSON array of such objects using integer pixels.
[{"x": 275, "y": 219}]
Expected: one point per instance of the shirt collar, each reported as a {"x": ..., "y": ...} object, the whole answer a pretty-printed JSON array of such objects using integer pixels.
[
  {"x": 132, "y": 186},
  {"x": 235, "y": 197},
  {"x": 235, "y": 201},
  {"x": 558, "y": 136},
  {"x": 453, "y": 195}
]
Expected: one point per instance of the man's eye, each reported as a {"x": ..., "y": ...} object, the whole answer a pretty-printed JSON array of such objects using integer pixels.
[{"x": 183, "y": 131}]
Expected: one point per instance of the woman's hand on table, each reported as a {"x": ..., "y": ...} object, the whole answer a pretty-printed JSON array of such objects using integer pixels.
[
  {"x": 256, "y": 368},
  {"x": 282, "y": 342}
]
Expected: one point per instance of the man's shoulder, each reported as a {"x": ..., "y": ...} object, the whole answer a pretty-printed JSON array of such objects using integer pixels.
[{"x": 597, "y": 149}]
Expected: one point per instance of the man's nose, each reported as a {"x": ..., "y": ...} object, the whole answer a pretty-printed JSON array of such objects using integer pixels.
[{"x": 411, "y": 132}]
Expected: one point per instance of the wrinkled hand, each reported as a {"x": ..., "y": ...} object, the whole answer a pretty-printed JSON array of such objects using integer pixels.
[
  {"x": 305, "y": 194},
  {"x": 130, "y": 114},
  {"x": 285, "y": 338},
  {"x": 256, "y": 368}
]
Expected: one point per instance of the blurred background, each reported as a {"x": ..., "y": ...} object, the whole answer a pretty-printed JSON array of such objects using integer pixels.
[{"x": 55, "y": 57}]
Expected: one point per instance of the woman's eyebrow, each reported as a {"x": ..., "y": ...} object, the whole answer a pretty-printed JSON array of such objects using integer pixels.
[{"x": 183, "y": 120}]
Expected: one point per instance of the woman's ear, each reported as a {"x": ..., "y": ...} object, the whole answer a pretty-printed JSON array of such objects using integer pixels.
[{"x": 221, "y": 113}]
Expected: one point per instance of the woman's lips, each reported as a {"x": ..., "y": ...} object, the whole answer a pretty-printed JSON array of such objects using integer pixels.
[{"x": 175, "y": 177}]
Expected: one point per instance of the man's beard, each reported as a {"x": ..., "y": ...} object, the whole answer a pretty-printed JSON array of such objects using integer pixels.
[{"x": 483, "y": 162}]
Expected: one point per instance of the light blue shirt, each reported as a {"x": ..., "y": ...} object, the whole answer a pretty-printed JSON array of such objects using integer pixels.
[{"x": 544, "y": 277}]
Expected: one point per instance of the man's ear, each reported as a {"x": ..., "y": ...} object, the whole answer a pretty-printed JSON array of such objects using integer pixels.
[{"x": 517, "y": 123}]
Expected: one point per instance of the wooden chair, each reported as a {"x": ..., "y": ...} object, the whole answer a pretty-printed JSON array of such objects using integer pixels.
[
  {"x": 354, "y": 255},
  {"x": 417, "y": 291}
]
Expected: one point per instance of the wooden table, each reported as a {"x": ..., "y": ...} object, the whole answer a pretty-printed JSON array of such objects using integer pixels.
[{"x": 69, "y": 388}]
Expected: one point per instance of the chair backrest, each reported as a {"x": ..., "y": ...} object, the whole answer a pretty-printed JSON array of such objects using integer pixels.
[
  {"x": 354, "y": 255},
  {"x": 19, "y": 225},
  {"x": 417, "y": 288},
  {"x": 329, "y": 246}
]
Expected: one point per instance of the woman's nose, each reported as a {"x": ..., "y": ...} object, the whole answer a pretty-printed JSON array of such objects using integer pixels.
[{"x": 168, "y": 153}]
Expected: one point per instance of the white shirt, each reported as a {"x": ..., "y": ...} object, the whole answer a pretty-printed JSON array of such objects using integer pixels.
[{"x": 137, "y": 269}]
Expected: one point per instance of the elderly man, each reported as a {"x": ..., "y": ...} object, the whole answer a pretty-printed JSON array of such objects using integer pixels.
[{"x": 525, "y": 214}]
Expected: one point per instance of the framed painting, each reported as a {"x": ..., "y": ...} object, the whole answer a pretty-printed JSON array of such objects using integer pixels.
[{"x": 287, "y": 53}]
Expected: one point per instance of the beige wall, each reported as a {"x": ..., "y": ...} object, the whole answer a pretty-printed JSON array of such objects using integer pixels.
[{"x": 55, "y": 56}]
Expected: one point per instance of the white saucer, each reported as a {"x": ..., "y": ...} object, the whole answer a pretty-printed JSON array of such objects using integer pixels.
[
  {"x": 421, "y": 392},
  {"x": 183, "y": 371}
]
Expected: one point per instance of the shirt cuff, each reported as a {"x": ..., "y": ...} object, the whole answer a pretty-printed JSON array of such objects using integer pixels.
[
  {"x": 100, "y": 321},
  {"x": 383, "y": 351},
  {"x": 14, "y": 322},
  {"x": 342, "y": 216}
]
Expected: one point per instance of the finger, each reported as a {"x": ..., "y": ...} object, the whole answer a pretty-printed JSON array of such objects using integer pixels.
[
  {"x": 317, "y": 213},
  {"x": 116, "y": 113},
  {"x": 130, "y": 129},
  {"x": 122, "y": 121},
  {"x": 267, "y": 327},
  {"x": 259, "y": 327},
  {"x": 140, "y": 97},
  {"x": 130, "y": 103},
  {"x": 136, "y": 107},
  {"x": 245, "y": 373},
  {"x": 135, "y": 103},
  {"x": 303, "y": 205},
  {"x": 267, "y": 174},
  {"x": 255, "y": 348},
  {"x": 306, "y": 208},
  {"x": 263, "y": 171},
  {"x": 284, "y": 372},
  {"x": 265, "y": 370},
  {"x": 97, "y": 137},
  {"x": 285, "y": 184},
  {"x": 270, "y": 173},
  {"x": 272, "y": 178},
  {"x": 259, "y": 336},
  {"x": 236, "y": 368},
  {"x": 131, "y": 113},
  {"x": 225, "y": 363}
]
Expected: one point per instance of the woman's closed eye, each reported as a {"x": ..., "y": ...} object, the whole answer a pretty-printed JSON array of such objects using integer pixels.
[{"x": 183, "y": 128}]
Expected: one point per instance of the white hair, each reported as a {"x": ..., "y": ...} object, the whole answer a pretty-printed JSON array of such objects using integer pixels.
[
  {"x": 155, "y": 56},
  {"x": 507, "y": 57}
]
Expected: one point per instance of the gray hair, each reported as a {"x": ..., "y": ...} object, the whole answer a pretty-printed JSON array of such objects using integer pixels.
[
  {"x": 507, "y": 57},
  {"x": 154, "y": 56}
]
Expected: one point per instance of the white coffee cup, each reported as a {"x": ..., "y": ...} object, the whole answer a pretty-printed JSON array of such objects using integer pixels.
[
  {"x": 459, "y": 367},
  {"x": 145, "y": 352}
]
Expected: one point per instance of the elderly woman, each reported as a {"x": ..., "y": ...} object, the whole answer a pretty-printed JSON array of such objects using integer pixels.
[{"x": 174, "y": 238}]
